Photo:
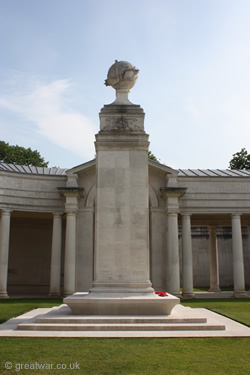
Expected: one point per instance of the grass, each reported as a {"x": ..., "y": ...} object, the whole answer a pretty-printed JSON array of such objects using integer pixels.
[
  {"x": 129, "y": 356},
  {"x": 94, "y": 356},
  {"x": 236, "y": 309},
  {"x": 9, "y": 308}
]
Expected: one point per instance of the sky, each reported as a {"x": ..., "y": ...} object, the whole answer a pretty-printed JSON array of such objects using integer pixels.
[{"x": 194, "y": 79}]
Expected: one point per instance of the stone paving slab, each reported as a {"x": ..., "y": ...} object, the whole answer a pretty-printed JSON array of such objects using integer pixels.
[{"x": 233, "y": 329}]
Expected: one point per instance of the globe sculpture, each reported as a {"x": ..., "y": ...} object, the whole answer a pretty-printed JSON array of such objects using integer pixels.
[{"x": 122, "y": 77}]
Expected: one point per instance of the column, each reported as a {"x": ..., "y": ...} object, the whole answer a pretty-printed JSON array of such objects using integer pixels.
[
  {"x": 214, "y": 260},
  {"x": 187, "y": 258},
  {"x": 55, "y": 270},
  {"x": 173, "y": 275},
  {"x": 4, "y": 251},
  {"x": 172, "y": 195},
  {"x": 70, "y": 254},
  {"x": 238, "y": 261},
  {"x": 72, "y": 195}
]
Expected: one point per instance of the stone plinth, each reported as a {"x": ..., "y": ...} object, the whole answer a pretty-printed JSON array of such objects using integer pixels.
[{"x": 91, "y": 304}]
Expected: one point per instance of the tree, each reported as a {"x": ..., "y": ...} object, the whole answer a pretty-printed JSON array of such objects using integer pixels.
[
  {"x": 20, "y": 155},
  {"x": 152, "y": 157},
  {"x": 240, "y": 160}
]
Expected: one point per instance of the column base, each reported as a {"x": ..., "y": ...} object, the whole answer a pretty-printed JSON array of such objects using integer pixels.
[
  {"x": 94, "y": 304},
  {"x": 241, "y": 294},
  {"x": 188, "y": 295},
  {"x": 214, "y": 289},
  {"x": 4, "y": 295}
]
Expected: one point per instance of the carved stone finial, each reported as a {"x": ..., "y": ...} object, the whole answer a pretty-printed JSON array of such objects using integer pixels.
[{"x": 122, "y": 77}]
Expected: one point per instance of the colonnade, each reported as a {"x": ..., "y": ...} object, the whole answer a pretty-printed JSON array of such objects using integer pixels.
[
  {"x": 172, "y": 261},
  {"x": 187, "y": 264},
  {"x": 56, "y": 250}
]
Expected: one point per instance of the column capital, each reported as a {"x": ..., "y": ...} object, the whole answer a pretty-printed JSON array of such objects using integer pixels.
[
  {"x": 186, "y": 214},
  {"x": 57, "y": 214},
  {"x": 71, "y": 211},
  {"x": 173, "y": 192},
  {"x": 72, "y": 195},
  {"x": 71, "y": 191},
  {"x": 236, "y": 215},
  {"x": 6, "y": 211},
  {"x": 172, "y": 195},
  {"x": 212, "y": 227},
  {"x": 172, "y": 213}
]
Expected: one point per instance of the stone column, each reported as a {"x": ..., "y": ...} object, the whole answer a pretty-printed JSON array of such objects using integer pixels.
[
  {"x": 70, "y": 254},
  {"x": 4, "y": 251},
  {"x": 55, "y": 270},
  {"x": 172, "y": 195},
  {"x": 187, "y": 258},
  {"x": 214, "y": 260},
  {"x": 72, "y": 195},
  {"x": 238, "y": 261},
  {"x": 173, "y": 266}
]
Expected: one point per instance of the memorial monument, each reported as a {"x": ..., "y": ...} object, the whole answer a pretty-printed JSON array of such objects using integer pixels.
[{"x": 121, "y": 283}]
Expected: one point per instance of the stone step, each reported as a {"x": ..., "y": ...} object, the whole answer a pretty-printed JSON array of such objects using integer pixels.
[
  {"x": 120, "y": 327},
  {"x": 115, "y": 320}
]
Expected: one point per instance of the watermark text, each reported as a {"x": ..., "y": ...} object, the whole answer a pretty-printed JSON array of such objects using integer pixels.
[{"x": 42, "y": 366}]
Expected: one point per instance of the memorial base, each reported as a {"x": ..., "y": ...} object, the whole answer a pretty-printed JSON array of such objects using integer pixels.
[{"x": 93, "y": 304}]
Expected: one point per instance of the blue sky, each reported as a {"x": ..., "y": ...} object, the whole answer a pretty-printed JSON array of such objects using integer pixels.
[{"x": 194, "y": 80}]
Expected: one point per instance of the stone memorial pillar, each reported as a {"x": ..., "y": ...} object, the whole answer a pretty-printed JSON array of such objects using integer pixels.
[{"x": 121, "y": 256}]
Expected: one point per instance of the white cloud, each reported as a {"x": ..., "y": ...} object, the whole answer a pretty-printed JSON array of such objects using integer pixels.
[{"x": 47, "y": 106}]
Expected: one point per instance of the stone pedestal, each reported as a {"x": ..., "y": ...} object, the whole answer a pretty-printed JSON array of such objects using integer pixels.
[{"x": 106, "y": 304}]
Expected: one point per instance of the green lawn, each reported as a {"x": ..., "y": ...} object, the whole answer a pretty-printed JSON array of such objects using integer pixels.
[
  {"x": 236, "y": 309},
  {"x": 127, "y": 356},
  {"x": 9, "y": 308}
]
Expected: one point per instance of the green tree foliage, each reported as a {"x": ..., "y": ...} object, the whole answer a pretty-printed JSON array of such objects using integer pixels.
[
  {"x": 20, "y": 155},
  {"x": 152, "y": 157},
  {"x": 240, "y": 160}
]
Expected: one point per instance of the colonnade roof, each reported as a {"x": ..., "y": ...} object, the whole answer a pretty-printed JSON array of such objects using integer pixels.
[
  {"x": 32, "y": 170},
  {"x": 182, "y": 172},
  {"x": 213, "y": 173}
]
